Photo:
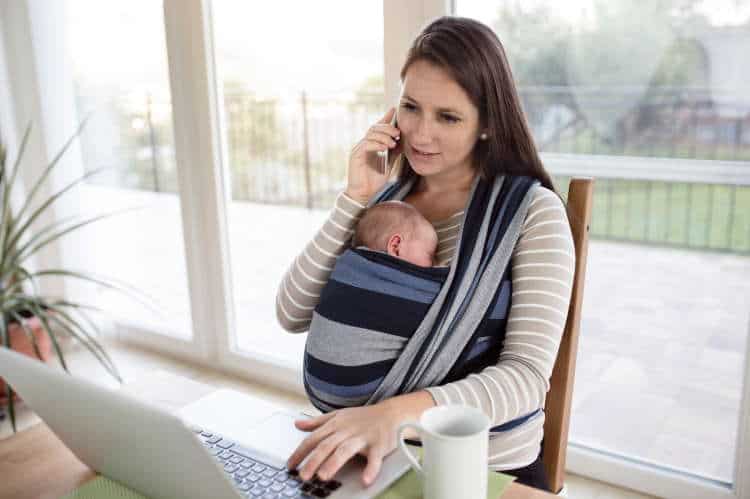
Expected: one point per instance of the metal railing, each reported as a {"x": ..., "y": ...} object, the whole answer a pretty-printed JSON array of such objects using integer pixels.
[
  {"x": 293, "y": 151},
  {"x": 692, "y": 204},
  {"x": 672, "y": 165}
]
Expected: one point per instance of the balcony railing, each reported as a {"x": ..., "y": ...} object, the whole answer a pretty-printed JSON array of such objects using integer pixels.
[
  {"x": 683, "y": 203},
  {"x": 673, "y": 165}
]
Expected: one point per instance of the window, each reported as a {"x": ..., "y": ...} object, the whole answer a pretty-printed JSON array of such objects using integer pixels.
[
  {"x": 118, "y": 63},
  {"x": 654, "y": 101},
  {"x": 298, "y": 92}
]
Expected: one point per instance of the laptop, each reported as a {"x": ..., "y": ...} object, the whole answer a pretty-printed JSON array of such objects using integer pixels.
[{"x": 225, "y": 445}]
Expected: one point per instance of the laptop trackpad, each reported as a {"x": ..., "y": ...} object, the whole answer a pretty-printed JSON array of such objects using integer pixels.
[
  {"x": 277, "y": 436},
  {"x": 250, "y": 421}
]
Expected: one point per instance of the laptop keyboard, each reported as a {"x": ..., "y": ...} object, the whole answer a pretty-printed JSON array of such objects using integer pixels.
[{"x": 259, "y": 480}]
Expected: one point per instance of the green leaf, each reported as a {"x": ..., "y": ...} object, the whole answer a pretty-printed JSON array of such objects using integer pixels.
[
  {"x": 49, "y": 311},
  {"x": 15, "y": 237},
  {"x": 6, "y": 218},
  {"x": 39, "y": 312},
  {"x": 77, "y": 331},
  {"x": 75, "y": 305},
  {"x": 3, "y": 333},
  {"x": 9, "y": 297},
  {"x": 10, "y": 290},
  {"x": 51, "y": 166},
  {"x": 3, "y": 157},
  {"x": 5, "y": 256},
  {"x": 20, "y": 256},
  {"x": 29, "y": 334},
  {"x": 108, "y": 283}
]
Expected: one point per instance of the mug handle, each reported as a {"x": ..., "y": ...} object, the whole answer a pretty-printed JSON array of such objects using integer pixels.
[{"x": 403, "y": 426}]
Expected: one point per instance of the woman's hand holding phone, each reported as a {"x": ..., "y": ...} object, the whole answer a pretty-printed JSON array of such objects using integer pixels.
[{"x": 368, "y": 171}]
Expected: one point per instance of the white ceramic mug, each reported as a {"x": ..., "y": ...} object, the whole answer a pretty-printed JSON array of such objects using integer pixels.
[{"x": 454, "y": 451}]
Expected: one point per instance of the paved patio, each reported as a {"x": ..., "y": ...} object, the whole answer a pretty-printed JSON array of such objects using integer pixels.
[
  {"x": 661, "y": 356},
  {"x": 662, "y": 342}
]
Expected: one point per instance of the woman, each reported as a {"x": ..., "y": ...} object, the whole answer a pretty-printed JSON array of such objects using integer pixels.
[{"x": 460, "y": 125}]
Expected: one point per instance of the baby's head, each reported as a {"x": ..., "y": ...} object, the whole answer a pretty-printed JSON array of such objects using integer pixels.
[{"x": 398, "y": 229}]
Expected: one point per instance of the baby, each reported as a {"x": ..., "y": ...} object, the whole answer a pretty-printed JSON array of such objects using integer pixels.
[{"x": 397, "y": 228}]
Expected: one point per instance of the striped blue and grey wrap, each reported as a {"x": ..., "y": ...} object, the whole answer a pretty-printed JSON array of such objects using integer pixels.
[{"x": 384, "y": 326}]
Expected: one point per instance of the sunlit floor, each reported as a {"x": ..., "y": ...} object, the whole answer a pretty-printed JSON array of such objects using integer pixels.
[{"x": 135, "y": 363}]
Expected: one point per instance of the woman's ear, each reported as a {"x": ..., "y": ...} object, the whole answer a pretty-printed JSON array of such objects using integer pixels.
[{"x": 394, "y": 245}]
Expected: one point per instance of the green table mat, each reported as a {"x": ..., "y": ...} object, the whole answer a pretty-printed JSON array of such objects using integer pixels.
[{"x": 406, "y": 487}]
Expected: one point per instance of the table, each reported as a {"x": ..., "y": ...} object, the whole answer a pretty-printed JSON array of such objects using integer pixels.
[{"x": 35, "y": 464}]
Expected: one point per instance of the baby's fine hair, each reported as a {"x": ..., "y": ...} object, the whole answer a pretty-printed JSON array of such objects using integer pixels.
[{"x": 381, "y": 221}]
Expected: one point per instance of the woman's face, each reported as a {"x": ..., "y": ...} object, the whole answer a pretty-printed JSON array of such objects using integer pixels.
[{"x": 436, "y": 117}]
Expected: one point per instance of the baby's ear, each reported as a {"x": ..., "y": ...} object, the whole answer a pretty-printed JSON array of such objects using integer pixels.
[{"x": 394, "y": 245}]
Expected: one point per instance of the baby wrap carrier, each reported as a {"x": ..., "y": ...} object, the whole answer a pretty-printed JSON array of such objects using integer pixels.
[{"x": 385, "y": 327}]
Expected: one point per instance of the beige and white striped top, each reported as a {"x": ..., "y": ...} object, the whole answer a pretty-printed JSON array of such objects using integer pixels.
[{"x": 543, "y": 263}]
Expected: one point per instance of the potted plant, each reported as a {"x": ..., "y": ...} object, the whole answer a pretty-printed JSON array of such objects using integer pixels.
[{"x": 31, "y": 322}]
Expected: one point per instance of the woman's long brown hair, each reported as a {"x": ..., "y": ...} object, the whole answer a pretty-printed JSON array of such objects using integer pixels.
[{"x": 474, "y": 56}]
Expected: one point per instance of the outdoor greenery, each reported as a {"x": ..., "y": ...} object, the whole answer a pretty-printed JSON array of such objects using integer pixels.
[
  {"x": 700, "y": 216},
  {"x": 585, "y": 72}
]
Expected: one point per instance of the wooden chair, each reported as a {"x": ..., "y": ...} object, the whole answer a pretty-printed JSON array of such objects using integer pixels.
[{"x": 558, "y": 403}]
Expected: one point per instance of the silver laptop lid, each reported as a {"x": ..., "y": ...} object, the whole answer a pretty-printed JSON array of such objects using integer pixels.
[{"x": 125, "y": 439}]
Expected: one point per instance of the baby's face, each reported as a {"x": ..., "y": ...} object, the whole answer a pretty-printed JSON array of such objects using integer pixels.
[{"x": 420, "y": 250}]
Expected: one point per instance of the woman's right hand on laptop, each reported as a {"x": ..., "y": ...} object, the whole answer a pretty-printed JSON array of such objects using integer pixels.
[{"x": 365, "y": 175}]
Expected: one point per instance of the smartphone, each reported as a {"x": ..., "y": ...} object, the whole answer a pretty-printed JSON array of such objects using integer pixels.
[{"x": 384, "y": 154}]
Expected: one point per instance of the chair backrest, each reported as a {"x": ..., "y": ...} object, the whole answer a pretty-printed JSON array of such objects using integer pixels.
[{"x": 558, "y": 403}]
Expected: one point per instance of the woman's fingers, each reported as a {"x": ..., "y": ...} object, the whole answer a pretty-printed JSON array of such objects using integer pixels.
[
  {"x": 365, "y": 173},
  {"x": 388, "y": 115},
  {"x": 388, "y": 129},
  {"x": 344, "y": 452},
  {"x": 312, "y": 441},
  {"x": 382, "y": 138},
  {"x": 314, "y": 422},
  {"x": 302, "y": 450},
  {"x": 365, "y": 430},
  {"x": 374, "y": 462},
  {"x": 375, "y": 146},
  {"x": 320, "y": 454}
]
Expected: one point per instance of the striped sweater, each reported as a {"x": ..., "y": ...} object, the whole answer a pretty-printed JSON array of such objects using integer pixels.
[{"x": 542, "y": 274}]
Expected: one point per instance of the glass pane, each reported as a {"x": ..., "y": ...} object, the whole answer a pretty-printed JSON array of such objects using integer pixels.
[
  {"x": 667, "y": 296},
  {"x": 300, "y": 87},
  {"x": 119, "y": 65}
]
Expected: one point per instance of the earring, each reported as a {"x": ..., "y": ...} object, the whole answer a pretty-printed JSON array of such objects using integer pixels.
[{"x": 483, "y": 136}]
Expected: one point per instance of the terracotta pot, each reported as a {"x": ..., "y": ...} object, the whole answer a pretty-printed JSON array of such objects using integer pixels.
[{"x": 22, "y": 344}]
